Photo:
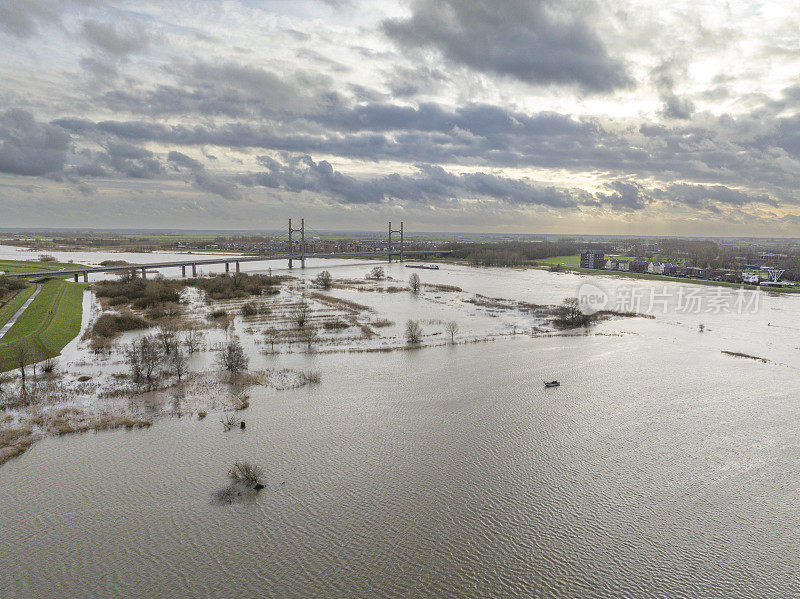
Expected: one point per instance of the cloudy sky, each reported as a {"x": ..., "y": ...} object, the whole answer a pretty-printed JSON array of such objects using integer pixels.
[{"x": 588, "y": 116}]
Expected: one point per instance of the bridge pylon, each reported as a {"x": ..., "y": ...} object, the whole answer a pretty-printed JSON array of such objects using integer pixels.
[
  {"x": 391, "y": 247},
  {"x": 302, "y": 231}
]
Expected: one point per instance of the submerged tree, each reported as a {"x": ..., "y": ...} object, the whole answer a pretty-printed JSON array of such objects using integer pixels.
[
  {"x": 178, "y": 362},
  {"x": 572, "y": 315},
  {"x": 192, "y": 339},
  {"x": 414, "y": 282},
  {"x": 413, "y": 332},
  {"x": 377, "y": 274},
  {"x": 323, "y": 280},
  {"x": 271, "y": 336},
  {"x": 300, "y": 314},
  {"x": 143, "y": 358},
  {"x": 452, "y": 329},
  {"x": 232, "y": 356}
]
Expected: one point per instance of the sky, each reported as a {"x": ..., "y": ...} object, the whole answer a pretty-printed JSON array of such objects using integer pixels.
[{"x": 644, "y": 117}]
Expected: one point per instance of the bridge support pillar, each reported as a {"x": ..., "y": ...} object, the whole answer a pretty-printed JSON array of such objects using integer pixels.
[
  {"x": 85, "y": 277},
  {"x": 144, "y": 272},
  {"x": 227, "y": 267},
  {"x": 76, "y": 277},
  {"x": 238, "y": 268},
  {"x": 194, "y": 270},
  {"x": 183, "y": 270}
]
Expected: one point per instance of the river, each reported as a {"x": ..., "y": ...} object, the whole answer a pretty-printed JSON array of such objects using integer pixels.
[{"x": 661, "y": 467}]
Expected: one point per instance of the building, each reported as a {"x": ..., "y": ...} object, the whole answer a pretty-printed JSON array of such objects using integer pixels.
[
  {"x": 592, "y": 259},
  {"x": 655, "y": 268},
  {"x": 638, "y": 266}
]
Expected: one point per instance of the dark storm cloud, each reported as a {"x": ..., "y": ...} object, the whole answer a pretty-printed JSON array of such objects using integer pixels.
[
  {"x": 664, "y": 77},
  {"x": 430, "y": 184},
  {"x": 28, "y": 147},
  {"x": 116, "y": 39},
  {"x": 703, "y": 195},
  {"x": 538, "y": 42},
  {"x": 625, "y": 195},
  {"x": 202, "y": 178}
]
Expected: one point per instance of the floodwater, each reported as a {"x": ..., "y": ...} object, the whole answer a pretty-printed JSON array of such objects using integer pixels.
[{"x": 660, "y": 468}]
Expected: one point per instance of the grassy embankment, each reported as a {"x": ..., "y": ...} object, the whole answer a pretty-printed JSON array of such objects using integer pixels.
[
  {"x": 38, "y": 332},
  {"x": 33, "y": 265}
]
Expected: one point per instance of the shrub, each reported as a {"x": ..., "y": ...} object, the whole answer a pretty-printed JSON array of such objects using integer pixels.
[
  {"x": 109, "y": 325},
  {"x": 414, "y": 282},
  {"x": 247, "y": 474},
  {"x": 220, "y": 313},
  {"x": 377, "y": 274},
  {"x": 250, "y": 309},
  {"x": 232, "y": 357},
  {"x": 323, "y": 280}
]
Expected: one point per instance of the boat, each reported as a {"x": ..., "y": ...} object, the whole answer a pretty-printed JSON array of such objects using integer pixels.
[
  {"x": 551, "y": 384},
  {"x": 425, "y": 266}
]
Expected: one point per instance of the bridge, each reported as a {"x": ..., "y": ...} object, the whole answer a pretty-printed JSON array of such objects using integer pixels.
[{"x": 301, "y": 255}]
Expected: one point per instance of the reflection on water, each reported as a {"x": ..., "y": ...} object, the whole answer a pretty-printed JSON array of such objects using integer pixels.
[{"x": 660, "y": 468}]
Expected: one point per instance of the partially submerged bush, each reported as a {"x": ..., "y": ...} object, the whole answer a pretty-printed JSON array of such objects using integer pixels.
[
  {"x": 238, "y": 285},
  {"x": 232, "y": 356},
  {"x": 323, "y": 280},
  {"x": 312, "y": 376},
  {"x": 377, "y": 274},
  {"x": 247, "y": 474},
  {"x": 230, "y": 421},
  {"x": 570, "y": 315},
  {"x": 250, "y": 309},
  {"x": 108, "y": 325},
  {"x": 220, "y": 313}
]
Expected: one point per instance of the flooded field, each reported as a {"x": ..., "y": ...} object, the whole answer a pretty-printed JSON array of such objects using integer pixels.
[{"x": 661, "y": 467}]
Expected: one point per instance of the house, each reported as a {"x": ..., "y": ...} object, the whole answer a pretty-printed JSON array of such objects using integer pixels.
[
  {"x": 592, "y": 259},
  {"x": 655, "y": 268},
  {"x": 638, "y": 266},
  {"x": 611, "y": 264},
  {"x": 623, "y": 265}
]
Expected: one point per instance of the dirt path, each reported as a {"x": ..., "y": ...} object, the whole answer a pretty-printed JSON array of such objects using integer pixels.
[{"x": 22, "y": 309}]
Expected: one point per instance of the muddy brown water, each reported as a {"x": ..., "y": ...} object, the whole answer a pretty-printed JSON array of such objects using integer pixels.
[{"x": 660, "y": 468}]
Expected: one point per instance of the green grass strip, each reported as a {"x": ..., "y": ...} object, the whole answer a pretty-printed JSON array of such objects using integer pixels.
[
  {"x": 14, "y": 303},
  {"x": 41, "y": 333}
]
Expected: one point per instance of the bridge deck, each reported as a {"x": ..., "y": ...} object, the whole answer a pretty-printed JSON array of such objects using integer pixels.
[{"x": 206, "y": 261}]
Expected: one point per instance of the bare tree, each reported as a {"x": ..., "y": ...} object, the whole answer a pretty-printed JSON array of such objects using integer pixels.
[
  {"x": 271, "y": 336},
  {"x": 414, "y": 282},
  {"x": 143, "y": 358},
  {"x": 166, "y": 335},
  {"x": 310, "y": 336},
  {"x": 413, "y": 332},
  {"x": 192, "y": 339},
  {"x": 377, "y": 273},
  {"x": 232, "y": 356},
  {"x": 451, "y": 328},
  {"x": 178, "y": 362},
  {"x": 324, "y": 280},
  {"x": 21, "y": 359},
  {"x": 300, "y": 314},
  {"x": 572, "y": 315}
]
